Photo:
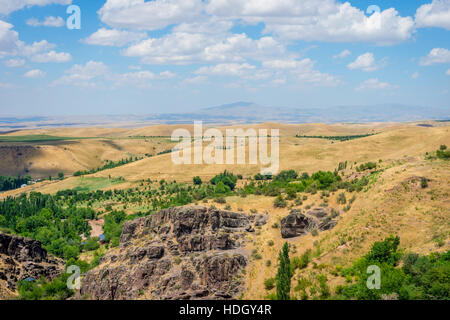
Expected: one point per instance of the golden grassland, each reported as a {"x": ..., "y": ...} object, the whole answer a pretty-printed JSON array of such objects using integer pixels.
[{"x": 393, "y": 203}]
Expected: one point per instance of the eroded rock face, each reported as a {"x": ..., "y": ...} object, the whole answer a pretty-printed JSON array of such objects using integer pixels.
[
  {"x": 178, "y": 253},
  {"x": 297, "y": 223},
  {"x": 22, "y": 258}
]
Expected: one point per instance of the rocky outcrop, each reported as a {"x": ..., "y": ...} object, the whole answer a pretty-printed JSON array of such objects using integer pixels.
[
  {"x": 178, "y": 253},
  {"x": 297, "y": 223},
  {"x": 22, "y": 258}
]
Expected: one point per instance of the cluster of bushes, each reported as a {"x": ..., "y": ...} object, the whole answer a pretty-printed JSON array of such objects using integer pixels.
[
  {"x": 108, "y": 165},
  {"x": 10, "y": 183},
  {"x": 338, "y": 138},
  {"x": 443, "y": 153},
  {"x": 112, "y": 227},
  {"x": 366, "y": 166},
  {"x": 56, "y": 289},
  {"x": 420, "y": 277},
  {"x": 224, "y": 182},
  {"x": 43, "y": 218}
]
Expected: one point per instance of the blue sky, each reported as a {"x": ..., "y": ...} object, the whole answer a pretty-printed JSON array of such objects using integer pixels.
[{"x": 136, "y": 56}]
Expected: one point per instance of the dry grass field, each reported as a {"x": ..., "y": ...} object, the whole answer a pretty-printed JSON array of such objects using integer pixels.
[{"x": 393, "y": 203}]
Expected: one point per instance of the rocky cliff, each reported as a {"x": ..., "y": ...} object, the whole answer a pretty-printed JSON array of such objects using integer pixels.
[
  {"x": 22, "y": 258},
  {"x": 178, "y": 253}
]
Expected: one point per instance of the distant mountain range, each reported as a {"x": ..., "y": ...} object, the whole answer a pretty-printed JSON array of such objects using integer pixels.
[{"x": 242, "y": 112}]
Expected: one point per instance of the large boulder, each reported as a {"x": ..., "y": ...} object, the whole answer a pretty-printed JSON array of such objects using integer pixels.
[{"x": 298, "y": 224}]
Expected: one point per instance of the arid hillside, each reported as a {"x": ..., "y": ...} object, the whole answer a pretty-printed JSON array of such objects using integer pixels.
[{"x": 405, "y": 193}]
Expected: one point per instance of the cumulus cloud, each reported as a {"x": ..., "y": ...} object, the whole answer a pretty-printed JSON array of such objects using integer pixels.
[
  {"x": 9, "y": 39},
  {"x": 301, "y": 71},
  {"x": 365, "y": 62},
  {"x": 342, "y": 55},
  {"x": 113, "y": 37},
  {"x": 184, "y": 48},
  {"x": 226, "y": 69},
  {"x": 14, "y": 63},
  {"x": 434, "y": 14},
  {"x": 436, "y": 56},
  {"x": 195, "y": 80},
  {"x": 94, "y": 73},
  {"x": 36, "y": 73},
  {"x": 40, "y": 51},
  {"x": 83, "y": 75},
  {"x": 374, "y": 84},
  {"x": 56, "y": 22},
  {"x": 149, "y": 15},
  {"x": 8, "y": 6},
  {"x": 311, "y": 20},
  {"x": 141, "y": 79}
]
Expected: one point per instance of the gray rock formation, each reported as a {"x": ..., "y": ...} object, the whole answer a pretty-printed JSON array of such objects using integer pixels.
[
  {"x": 178, "y": 253},
  {"x": 297, "y": 223},
  {"x": 22, "y": 258}
]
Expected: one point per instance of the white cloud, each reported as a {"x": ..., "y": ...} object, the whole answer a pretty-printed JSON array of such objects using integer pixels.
[
  {"x": 448, "y": 72},
  {"x": 195, "y": 80},
  {"x": 56, "y": 22},
  {"x": 226, "y": 69},
  {"x": 312, "y": 20},
  {"x": 185, "y": 48},
  {"x": 415, "y": 75},
  {"x": 113, "y": 37},
  {"x": 93, "y": 73},
  {"x": 41, "y": 52},
  {"x": 36, "y": 73},
  {"x": 301, "y": 71},
  {"x": 14, "y": 63},
  {"x": 374, "y": 84},
  {"x": 434, "y": 14},
  {"x": 8, "y": 6},
  {"x": 83, "y": 75},
  {"x": 342, "y": 55},
  {"x": 149, "y": 15},
  {"x": 51, "y": 56},
  {"x": 10, "y": 45},
  {"x": 365, "y": 62},
  {"x": 141, "y": 79},
  {"x": 436, "y": 55},
  {"x": 9, "y": 39}
]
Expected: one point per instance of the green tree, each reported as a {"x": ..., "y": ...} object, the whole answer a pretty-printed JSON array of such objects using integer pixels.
[
  {"x": 197, "y": 181},
  {"x": 284, "y": 274}
]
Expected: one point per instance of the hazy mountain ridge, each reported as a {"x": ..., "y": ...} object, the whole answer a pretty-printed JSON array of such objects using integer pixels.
[{"x": 242, "y": 112}]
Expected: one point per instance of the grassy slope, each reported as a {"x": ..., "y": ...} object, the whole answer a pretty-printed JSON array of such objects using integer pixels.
[{"x": 392, "y": 205}]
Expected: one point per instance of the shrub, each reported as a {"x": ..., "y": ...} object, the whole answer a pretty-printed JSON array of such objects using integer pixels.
[
  {"x": 197, "y": 181},
  {"x": 302, "y": 261},
  {"x": 227, "y": 178},
  {"x": 341, "y": 199},
  {"x": 220, "y": 200},
  {"x": 269, "y": 283},
  {"x": 280, "y": 202},
  {"x": 424, "y": 183}
]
